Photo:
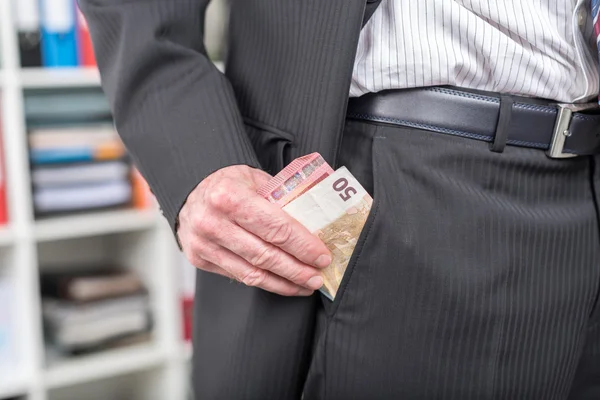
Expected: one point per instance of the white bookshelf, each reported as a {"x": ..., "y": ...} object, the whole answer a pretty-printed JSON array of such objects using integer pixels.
[
  {"x": 104, "y": 365},
  {"x": 45, "y": 78},
  {"x": 12, "y": 387},
  {"x": 94, "y": 224},
  {"x": 7, "y": 236},
  {"x": 140, "y": 240}
]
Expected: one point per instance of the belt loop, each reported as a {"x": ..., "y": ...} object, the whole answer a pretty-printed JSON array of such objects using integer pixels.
[{"x": 499, "y": 143}]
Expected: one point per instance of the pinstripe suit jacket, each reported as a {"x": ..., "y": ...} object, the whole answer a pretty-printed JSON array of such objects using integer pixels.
[{"x": 284, "y": 95}]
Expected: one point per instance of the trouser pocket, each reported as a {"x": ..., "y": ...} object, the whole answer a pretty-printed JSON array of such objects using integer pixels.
[{"x": 474, "y": 278}]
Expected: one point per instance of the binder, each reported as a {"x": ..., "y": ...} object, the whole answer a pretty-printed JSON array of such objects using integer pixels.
[
  {"x": 59, "y": 45},
  {"x": 27, "y": 23},
  {"x": 3, "y": 205},
  {"x": 187, "y": 291},
  {"x": 84, "y": 42}
]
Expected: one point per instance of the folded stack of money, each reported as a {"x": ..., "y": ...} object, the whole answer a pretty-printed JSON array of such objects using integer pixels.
[{"x": 330, "y": 204}]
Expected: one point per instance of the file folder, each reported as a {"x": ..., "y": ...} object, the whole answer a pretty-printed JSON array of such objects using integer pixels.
[
  {"x": 27, "y": 23},
  {"x": 84, "y": 42},
  {"x": 59, "y": 45},
  {"x": 3, "y": 202}
]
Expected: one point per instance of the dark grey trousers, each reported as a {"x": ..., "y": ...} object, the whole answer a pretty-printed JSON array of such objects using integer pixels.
[{"x": 476, "y": 276}]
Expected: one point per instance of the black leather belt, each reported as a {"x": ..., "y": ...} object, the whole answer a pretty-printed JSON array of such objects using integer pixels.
[{"x": 563, "y": 130}]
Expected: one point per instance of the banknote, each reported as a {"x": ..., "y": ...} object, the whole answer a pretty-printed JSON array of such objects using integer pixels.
[
  {"x": 299, "y": 176},
  {"x": 335, "y": 209}
]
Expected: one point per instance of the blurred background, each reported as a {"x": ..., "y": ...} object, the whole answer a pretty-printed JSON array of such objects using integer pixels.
[{"x": 95, "y": 299}]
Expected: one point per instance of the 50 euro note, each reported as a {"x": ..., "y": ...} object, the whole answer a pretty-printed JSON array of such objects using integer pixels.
[
  {"x": 335, "y": 209},
  {"x": 295, "y": 179}
]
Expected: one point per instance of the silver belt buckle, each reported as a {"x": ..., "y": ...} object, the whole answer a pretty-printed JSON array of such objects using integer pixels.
[{"x": 561, "y": 128}]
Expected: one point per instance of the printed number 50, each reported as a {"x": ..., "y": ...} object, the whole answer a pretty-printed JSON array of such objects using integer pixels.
[{"x": 341, "y": 185}]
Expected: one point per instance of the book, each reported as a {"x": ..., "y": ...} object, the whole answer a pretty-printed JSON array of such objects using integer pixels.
[
  {"x": 66, "y": 106},
  {"x": 91, "y": 285},
  {"x": 74, "y": 327},
  {"x": 187, "y": 290},
  {"x": 59, "y": 47},
  {"x": 58, "y": 137},
  {"x": 71, "y": 144},
  {"x": 68, "y": 312},
  {"x": 3, "y": 200},
  {"x": 27, "y": 23},
  {"x": 101, "y": 152},
  {"x": 79, "y": 326},
  {"x": 102, "y": 195},
  {"x": 79, "y": 174},
  {"x": 84, "y": 310}
]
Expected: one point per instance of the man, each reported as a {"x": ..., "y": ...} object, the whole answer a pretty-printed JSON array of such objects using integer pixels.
[{"x": 477, "y": 273}]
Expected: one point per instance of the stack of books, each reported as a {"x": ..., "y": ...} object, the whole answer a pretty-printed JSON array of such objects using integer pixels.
[
  {"x": 94, "y": 310},
  {"x": 52, "y": 33},
  {"x": 78, "y": 169}
]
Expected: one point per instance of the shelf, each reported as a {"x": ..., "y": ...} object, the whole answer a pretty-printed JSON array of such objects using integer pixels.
[
  {"x": 104, "y": 365},
  {"x": 12, "y": 387},
  {"x": 6, "y": 236},
  {"x": 94, "y": 224},
  {"x": 46, "y": 78},
  {"x": 187, "y": 351}
]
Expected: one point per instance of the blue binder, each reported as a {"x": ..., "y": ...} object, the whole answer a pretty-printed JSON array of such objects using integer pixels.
[{"x": 59, "y": 43}]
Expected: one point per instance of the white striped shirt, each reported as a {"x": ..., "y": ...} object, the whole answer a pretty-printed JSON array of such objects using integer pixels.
[{"x": 537, "y": 48}]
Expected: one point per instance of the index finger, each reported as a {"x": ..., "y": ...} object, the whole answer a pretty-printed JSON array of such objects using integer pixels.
[{"x": 275, "y": 226}]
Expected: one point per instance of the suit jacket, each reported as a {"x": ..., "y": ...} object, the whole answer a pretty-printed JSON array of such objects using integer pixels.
[{"x": 284, "y": 94}]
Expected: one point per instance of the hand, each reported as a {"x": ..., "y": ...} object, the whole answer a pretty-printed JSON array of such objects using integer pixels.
[{"x": 228, "y": 229}]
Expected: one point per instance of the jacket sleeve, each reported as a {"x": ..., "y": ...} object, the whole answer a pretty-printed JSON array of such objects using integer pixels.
[{"x": 175, "y": 112}]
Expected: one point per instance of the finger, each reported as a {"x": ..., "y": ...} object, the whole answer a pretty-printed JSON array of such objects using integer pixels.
[
  {"x": 265, "y": 256},
  {"x": 193, "y": 248},
  {"x": 213, "y": 268},
  {"x": 273, "y": 225},
  {"x": 250, "y": 275}
]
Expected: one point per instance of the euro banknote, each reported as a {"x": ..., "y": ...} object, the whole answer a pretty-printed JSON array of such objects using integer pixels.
[
  {"x": 335, "y": 209},
  {"x": 295, "y": 179}
]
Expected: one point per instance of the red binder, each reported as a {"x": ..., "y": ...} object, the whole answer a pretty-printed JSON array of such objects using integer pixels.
[
  {"x": 84, "y": 42},
  {"x": 3, "y": 206},
  {"x": 187, "y": 309}
]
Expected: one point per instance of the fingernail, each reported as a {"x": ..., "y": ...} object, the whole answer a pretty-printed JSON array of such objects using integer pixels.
[
  {"x": 315, "y": 282},
  {"x": 323, "y": 261}
]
